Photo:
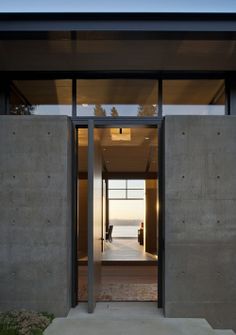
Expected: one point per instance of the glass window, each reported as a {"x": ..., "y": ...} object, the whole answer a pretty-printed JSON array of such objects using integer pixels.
[
  {"x": 113, "y": 183},
  {"x": 117, "y": 97},
  {"x": 136, "y": 194},
  {"x": 126, "y": 206},
  {"x": 119, "y": 194},
  {"x": 136, "y": 184},
  {"x": 41, "y": 97},
  {"x": 193, "y": 97},
  {"x": 126, "y": 189}
]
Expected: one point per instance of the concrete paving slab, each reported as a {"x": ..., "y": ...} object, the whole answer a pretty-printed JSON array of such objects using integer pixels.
[
  {"x": 224, "y": 332},
  {"x": 117, "y": 310},
  {"x": 125, "y": 318},
  {"x": 124, "y": 327}
]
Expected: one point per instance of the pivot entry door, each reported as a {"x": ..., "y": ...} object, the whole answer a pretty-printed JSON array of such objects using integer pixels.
[{"x": 94, "y": 215}]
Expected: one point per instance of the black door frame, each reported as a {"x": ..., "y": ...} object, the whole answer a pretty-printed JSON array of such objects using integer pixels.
[{"x": 118, "y": 122}]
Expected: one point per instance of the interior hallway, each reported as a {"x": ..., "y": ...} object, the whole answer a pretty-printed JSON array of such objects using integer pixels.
[
  {"x": 125, "y": 249},
  {"x": 128, "y": 273}
]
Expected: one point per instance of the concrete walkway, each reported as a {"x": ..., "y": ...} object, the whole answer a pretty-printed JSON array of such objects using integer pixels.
[{"x": 128, "y": 318}]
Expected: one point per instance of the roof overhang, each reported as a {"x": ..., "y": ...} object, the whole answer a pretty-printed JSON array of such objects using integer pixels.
[
  {"x": 103, "y": 25},
  {"x": 118, "y": 42}
]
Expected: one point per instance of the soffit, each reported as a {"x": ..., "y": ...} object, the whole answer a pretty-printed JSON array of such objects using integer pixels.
[
  {"x": 117, "y": 55},
  {"x": 123, "y": 156}
]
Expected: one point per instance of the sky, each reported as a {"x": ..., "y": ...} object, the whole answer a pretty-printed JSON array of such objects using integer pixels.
[{"x": 118, "y": 6}]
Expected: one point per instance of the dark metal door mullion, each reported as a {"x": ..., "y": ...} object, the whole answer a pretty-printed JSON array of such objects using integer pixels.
[{"x": 91, "y": 288}]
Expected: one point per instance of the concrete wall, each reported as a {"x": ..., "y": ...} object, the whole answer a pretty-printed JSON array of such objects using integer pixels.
[
  {"x": 200, "y": 218},
  {"x": 35, "y": 213}
]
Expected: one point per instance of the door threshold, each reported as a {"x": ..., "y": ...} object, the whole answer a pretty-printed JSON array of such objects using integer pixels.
[{"x": 123, "y": 262}]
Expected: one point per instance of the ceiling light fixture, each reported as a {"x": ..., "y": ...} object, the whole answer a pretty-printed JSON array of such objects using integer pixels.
[{"x": 120, "y": 134}]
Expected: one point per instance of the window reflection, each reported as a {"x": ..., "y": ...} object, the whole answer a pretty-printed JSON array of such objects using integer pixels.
[
  {"x": 193, "y": 97},
  {"x": 41, "y": 97},
  {"x": 117, "y": 97}
]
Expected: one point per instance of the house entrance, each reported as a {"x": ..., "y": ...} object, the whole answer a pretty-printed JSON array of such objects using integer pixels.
[{"x": 117, "y": 213}]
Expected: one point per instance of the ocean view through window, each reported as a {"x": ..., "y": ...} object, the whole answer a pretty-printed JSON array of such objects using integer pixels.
[{"x": 126, "y": 207}]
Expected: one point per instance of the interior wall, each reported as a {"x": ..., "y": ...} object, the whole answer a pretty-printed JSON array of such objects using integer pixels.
[
  {"x": 82, "y": 219},
  {"x": 200, "y": 218},
  {"x": 151, "y": 216}
]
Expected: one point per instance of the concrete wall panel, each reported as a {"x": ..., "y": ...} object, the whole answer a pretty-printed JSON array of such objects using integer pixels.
[
  {"x": 35, "y": 213},
  {"x": 200, "y": 218}
]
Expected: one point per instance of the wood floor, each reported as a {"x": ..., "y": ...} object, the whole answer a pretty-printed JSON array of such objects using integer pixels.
[
  {"x": 128, "y": 273},
  {"x": 125, "y": 250}
]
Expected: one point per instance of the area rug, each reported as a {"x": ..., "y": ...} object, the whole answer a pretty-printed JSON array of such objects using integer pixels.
[{"x": 123, "y": 292}]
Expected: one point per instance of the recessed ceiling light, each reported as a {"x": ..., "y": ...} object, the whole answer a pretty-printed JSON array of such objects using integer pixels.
[
  {"x": 120, "y": 134},
  {"x": 147, "y": 138}
]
